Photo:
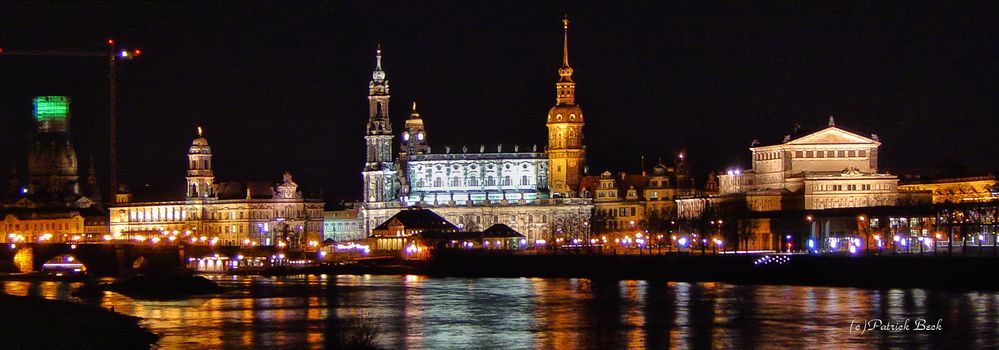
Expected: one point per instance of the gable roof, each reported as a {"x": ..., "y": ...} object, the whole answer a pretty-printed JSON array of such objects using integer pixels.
[
  {"x": 501, "y": 230},
  {"x": 831, "y": 135},
  {"x": 419, "y": 218}
]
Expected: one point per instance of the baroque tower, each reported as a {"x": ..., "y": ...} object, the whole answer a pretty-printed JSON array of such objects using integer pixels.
[
  {"x": 413, "y": 140},
  {"x": 566, "y": 153},
  {"x": 379, "y": 169},
  {"x": 414, "y": 137},
  {"x": 200, "y": 178}
]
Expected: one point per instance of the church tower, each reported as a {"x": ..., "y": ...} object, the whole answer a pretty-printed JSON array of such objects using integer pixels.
[
  {"x": 379, "y": 170},
  {"x": 414, "y": 137},
  {"x": 566, "y": 153},
  {"x": 413, "y": 140},
  {"x": 200, "y": 178}
]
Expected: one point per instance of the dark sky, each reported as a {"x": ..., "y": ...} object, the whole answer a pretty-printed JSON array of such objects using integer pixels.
[{"x": 283, "y": 86}]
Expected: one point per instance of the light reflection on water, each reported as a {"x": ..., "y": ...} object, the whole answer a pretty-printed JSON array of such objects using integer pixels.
[{"x": 421, "y": 312}]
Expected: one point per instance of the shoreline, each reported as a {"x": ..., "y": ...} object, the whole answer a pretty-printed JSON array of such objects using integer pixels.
[
  {"x": 871, "y": 272},
  {"x": 36, "y": 323},
  {"x": 962, "y": 273}
]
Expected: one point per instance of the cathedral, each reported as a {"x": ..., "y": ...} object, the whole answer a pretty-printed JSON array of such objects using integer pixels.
[
  {"x": 52, "y": 204},
  {"x": 52, "y": 178},
  {"x": 534, "y": 191}
]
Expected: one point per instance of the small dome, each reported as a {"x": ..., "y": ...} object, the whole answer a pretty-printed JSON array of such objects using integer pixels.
[
  {"x": 570, "y": 113},
  {"x": 201, "y": 141}
]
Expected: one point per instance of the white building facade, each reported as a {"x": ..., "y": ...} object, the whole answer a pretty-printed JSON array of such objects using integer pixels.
[
  {"x": 479, "y": 187},
  {"x": 831, "y": 168}
]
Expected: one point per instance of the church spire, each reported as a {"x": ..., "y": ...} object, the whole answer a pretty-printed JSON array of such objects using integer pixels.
[
  {"x": 565, "y": 88},
  {"x": 565, "y": 71},
  {"x": 565, "y": 41}
]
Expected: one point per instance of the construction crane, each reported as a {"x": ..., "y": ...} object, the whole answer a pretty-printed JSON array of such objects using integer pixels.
[{"x": 112, "y": 54}]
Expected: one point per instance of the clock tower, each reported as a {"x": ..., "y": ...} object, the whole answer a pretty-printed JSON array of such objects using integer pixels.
[{"x": 566, "y": 153}]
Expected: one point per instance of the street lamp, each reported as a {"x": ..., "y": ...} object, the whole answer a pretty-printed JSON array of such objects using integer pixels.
[{"x": 864, "y": 230}]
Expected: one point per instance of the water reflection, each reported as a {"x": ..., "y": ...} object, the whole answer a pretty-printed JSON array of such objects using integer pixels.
[{"x": 419, "y": 312}]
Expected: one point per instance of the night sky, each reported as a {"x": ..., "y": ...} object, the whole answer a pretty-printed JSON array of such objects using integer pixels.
[{"x": 282, "y": 86}]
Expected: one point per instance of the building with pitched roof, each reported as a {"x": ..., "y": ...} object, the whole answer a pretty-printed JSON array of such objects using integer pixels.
[{"x": 828, "y": 169}]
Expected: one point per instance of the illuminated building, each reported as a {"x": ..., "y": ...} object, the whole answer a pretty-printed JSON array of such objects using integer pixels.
[
  {"x": 343, "y": 224},
  {"x": 533, "y": 191},
  {"x": 497, "y": 237},
  {"x": 957, "y": 190},
  {"x": 391, "y": 234},
  {"x": 52, "y": 225},
  {"x": 52, "y": 178},
  {"x": 630, "y": 203},
  {"x": 566, "y": 153},
  {"x": 222, "y": 213},
  {"x": 829, "y": 169},
  {"x": 51, "y": 206}
]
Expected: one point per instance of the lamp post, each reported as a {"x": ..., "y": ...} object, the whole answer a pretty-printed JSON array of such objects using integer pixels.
[
  {"x": 862, "y": 222},
  {"x": 812, "y": 234}
]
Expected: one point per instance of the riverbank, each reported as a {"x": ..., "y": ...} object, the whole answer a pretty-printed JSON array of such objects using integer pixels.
[
  {"x": 954, "y": 273},
  {"x": 31, "y": 323},
  {"x": 898, "y": 271}
]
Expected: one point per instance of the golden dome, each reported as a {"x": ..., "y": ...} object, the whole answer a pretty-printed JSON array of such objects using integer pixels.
[{"x": 565, "y": 114}]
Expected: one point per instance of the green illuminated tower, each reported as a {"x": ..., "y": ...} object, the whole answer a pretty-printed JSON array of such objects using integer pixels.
[{"x": 52, "y": 163}]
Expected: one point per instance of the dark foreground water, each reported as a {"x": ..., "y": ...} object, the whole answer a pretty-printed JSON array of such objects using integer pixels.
[{"x": 518, "y": 313}]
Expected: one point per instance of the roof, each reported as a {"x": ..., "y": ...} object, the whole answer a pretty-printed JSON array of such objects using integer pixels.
[
  {"x": 826, "y": 135},
  {"x": 224, "y": 190},
  {"x": 501, "y": 230},
  {"x": 493, "y": 232},
  {"x": 51, "y": 213},
  {"x": 419, "y": 218},
  {"x": 639, "y": 182}
]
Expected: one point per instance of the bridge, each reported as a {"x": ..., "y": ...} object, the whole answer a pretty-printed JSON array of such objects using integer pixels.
[{"x": 104, "y": 259}]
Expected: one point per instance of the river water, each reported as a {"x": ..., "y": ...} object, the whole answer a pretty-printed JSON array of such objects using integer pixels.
[{"x": 416, "y": 312}]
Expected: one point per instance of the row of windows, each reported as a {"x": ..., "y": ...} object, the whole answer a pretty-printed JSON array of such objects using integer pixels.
[
  {"x": 615, "y": 212},
  {"x": 34, "y": 226},
  {"x": 180, "y": 214},
  {"x": 473, "y": 166},
  {"x": 813, "y": 154},
  {"x": 474, "y": 181},
  {"x": 830, "y": 154},
  {"x": 852, "y": 187}
]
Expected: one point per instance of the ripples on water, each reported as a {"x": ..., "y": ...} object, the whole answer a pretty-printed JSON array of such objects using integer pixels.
[{"x": 512, "y": 313}]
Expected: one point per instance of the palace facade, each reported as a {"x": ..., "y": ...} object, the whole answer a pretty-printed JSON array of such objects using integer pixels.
[
  {"x": 536, "y": 192},
  {"x": 219, "y": 213}
]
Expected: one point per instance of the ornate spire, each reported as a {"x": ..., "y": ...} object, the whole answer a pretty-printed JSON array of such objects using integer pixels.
[
  {"x": 378, "y": 75},
  {"x": 565, "y": 41},
  {"x": 200, "y": 132},
  {"x": 414, "y": 113},
  {"x": 831, "y": 121},
  {"x": 565, "y": 72}
]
